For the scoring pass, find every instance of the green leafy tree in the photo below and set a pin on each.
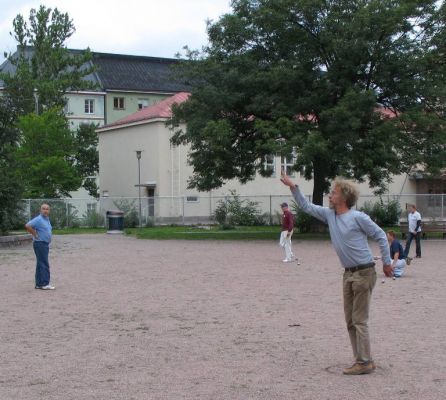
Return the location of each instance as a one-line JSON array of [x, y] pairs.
[[87, 156], [44, 68], [10, 184], [46, 156], [350, 87]]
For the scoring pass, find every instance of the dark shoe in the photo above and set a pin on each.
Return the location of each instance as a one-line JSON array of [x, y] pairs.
[[360, 369], [418, 257], [408, 260]]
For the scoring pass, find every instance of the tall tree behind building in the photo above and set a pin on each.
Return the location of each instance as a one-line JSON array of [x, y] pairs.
[[44, 71]]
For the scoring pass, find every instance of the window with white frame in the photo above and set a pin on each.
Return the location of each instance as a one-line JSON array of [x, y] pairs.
[[91, 207], [192, 199], [118, 103], [89, 106], [269, 164], [143, 103], [287, 163]]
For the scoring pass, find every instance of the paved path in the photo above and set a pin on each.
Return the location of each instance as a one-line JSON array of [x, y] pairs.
[[134, 319]]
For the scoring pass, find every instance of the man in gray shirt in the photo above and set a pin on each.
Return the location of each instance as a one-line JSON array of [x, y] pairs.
[[349, 230]]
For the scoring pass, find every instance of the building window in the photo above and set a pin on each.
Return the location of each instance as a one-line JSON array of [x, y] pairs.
[[269, 164], [192, 199], [287, 163], [118, 103], [143, 103], [89, 106], [91, 208]]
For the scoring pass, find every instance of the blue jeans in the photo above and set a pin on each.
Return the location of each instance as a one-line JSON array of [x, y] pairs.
[[410, 237], [41, 249]]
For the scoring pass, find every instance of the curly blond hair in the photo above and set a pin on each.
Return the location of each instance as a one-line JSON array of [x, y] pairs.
[[348, 190]]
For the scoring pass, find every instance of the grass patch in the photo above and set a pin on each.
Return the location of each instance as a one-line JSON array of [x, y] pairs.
[[75, 231], [213, 233], [216, 233]]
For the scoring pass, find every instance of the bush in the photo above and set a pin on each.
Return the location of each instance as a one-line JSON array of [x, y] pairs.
[[93, 219], [131, 219], [304, 222], [235, 212], [383, 214], [150, 222]]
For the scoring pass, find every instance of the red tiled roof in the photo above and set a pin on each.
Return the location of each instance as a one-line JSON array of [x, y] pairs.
[[162, 109]]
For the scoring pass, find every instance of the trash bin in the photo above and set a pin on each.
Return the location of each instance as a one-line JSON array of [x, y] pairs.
[[115, 219]]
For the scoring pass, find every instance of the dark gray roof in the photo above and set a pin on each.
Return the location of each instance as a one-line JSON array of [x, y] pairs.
[[125, 72], [9, 68]]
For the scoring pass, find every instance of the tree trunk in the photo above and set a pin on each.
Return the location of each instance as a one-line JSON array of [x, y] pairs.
[[320, 186], [320, 181]]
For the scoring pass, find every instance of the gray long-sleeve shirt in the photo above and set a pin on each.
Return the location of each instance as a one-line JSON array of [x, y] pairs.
[[348, 232]]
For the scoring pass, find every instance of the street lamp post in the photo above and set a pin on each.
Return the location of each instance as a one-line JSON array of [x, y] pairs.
[[138, 156]]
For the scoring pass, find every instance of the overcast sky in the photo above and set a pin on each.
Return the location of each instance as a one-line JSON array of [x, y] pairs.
[[141, 27]]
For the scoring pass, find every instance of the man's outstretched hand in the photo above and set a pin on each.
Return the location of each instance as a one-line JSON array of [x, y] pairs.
[[388, 270], [284, 178]]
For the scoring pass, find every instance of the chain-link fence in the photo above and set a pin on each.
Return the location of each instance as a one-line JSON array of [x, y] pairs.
[[189, 210]]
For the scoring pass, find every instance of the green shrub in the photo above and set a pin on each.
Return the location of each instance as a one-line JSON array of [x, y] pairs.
[[383, 214], [131, 219], [150, 222], [236, 212], [304, 222], [93, 219]]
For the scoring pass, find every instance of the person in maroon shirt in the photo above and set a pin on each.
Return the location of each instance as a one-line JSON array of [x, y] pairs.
[[287, 232]]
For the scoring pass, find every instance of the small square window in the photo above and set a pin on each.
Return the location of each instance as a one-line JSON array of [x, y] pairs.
[[118, 103], [143, 103]]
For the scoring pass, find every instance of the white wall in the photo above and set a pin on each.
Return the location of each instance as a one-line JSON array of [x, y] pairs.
[[167, 165]]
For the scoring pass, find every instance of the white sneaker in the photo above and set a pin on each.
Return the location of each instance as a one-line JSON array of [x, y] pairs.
[[298, 262], [47, 287], [286, 260]]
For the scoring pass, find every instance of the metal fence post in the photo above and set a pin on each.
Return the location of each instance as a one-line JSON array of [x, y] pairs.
[[67, 211], [270, 209], [183, 208], [442, 206]]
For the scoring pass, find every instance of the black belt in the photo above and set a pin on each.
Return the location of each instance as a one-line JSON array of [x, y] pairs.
[[360, 267]]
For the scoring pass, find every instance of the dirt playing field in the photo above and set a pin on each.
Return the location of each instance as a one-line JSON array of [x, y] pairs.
[[135, 319]]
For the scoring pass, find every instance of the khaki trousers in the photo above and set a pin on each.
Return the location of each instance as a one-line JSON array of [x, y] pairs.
[[357, 290]]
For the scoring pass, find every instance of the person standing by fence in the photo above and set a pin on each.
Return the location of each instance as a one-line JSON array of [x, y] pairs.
[[40, 228], [414, 222]]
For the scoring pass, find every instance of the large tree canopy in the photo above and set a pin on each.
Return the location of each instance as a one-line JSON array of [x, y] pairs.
[[45, 155], [348, 87]]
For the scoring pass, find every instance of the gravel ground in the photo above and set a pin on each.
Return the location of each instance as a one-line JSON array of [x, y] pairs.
[[135, 319]]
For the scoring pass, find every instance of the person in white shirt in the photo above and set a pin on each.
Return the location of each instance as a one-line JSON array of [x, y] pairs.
[[414, 219]]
